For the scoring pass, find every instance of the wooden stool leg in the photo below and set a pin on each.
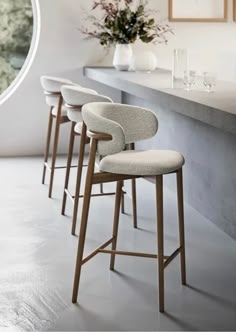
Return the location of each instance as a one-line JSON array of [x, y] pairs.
[[122, 200], [68, 166], [134, 203], [160, 240], [84, 220], [181, 224], [55, 146], [50, 121], [101, 184], [116, 222], [78, 178]]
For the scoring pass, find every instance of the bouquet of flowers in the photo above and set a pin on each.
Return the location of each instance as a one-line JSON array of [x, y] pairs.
[[123, 22]]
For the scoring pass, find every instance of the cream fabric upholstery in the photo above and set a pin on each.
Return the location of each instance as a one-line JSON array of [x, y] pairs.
[[126, 124], [78, 127], [74, 115], [78, 96], [52, 101], [53, 84], [143, 163], [55, 110]]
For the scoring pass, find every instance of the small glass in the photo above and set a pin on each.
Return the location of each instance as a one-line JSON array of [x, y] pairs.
[[189, 79], [209, 81]]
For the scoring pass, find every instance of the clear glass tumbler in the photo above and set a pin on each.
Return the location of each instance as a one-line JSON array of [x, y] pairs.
[[209, 81], [189, 79]]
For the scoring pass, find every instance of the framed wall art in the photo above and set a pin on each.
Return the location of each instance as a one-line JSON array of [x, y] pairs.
[[234, 10], [198, 10]]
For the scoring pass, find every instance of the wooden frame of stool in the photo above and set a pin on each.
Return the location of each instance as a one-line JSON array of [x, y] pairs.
[[103, 177]]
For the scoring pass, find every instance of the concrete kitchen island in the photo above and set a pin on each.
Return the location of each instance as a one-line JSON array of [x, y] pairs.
[[201, 125]]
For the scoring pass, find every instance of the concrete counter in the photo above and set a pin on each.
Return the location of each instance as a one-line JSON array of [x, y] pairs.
[[217, 109], [201, 125]]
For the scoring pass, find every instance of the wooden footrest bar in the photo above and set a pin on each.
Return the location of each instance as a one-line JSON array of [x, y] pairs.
[[98, 195], [61, 167], [127, 253], [95, 252], [172, 257], [71, 197], [101, 249]]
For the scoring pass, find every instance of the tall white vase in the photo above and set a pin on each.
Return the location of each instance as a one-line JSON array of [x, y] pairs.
[[122, 56]]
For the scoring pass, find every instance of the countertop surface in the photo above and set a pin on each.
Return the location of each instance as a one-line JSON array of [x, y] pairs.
[[217, 109]]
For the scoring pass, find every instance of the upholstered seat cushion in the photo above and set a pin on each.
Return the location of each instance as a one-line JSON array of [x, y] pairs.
[[143, 163], [69, 94], [78, 127], [63, 111]]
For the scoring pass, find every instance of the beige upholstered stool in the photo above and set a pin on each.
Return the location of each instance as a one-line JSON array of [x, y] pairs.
[[52, 91], [74, 98], [110, 127]]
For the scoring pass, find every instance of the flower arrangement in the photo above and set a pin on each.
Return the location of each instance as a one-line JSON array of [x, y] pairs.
[[123, 22]]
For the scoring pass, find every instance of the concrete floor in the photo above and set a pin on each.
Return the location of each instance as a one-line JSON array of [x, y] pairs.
[[37, 255]]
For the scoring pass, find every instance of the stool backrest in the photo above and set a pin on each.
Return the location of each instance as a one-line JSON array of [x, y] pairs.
[[52, 88], [78, 96], [126, 124]]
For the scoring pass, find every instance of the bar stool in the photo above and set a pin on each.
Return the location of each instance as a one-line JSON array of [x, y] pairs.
[[52, 91], [77, 97], [110, 127], [74, 98]]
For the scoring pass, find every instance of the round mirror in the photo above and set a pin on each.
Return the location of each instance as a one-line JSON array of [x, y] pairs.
[[16, 28]]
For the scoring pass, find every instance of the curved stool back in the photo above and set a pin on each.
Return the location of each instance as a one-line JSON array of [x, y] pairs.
[[126, 124], [78, 96], [52, 88]]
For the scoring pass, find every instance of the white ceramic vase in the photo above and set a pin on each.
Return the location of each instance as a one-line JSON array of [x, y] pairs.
[[143, 61], [122, 56]]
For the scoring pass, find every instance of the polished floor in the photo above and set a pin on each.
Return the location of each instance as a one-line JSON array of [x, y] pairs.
[[37, 256]]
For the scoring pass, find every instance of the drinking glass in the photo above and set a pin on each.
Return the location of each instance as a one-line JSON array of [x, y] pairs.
[[180, 64], [189, 79], [209, 81]]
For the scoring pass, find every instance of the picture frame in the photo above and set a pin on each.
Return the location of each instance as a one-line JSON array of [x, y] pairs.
[[199, 10], [234, 10]]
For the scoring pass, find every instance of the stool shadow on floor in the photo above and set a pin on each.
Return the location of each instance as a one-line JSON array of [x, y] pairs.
[[92, 321], [144, 289], [180, 322], [213, 297], [141, 287]]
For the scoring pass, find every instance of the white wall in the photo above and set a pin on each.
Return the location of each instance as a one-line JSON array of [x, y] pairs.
[[212, 46], [62, 52]]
